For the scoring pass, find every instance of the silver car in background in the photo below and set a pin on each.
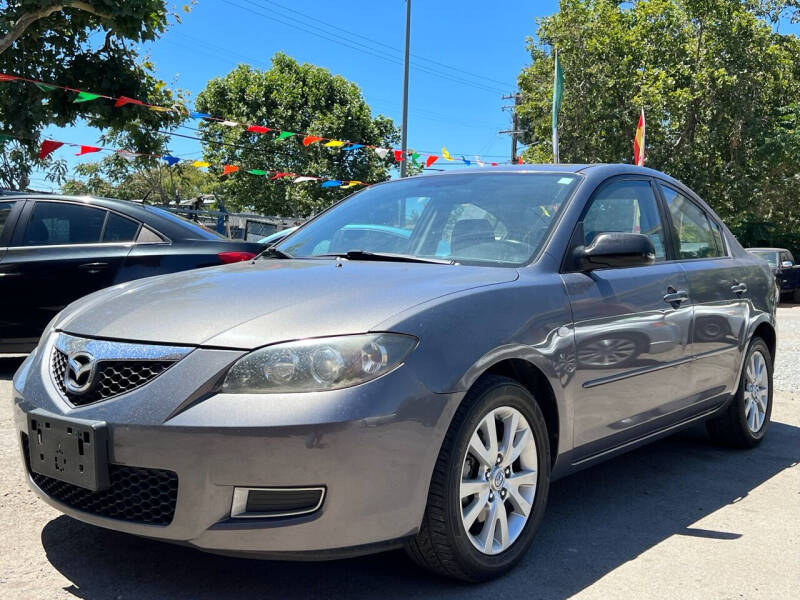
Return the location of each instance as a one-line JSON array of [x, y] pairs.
[[411, 368]]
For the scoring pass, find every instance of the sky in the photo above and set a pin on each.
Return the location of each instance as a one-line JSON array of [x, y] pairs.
[[454, 102]]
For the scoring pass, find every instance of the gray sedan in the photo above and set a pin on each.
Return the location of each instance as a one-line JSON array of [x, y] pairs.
[[411, 368]]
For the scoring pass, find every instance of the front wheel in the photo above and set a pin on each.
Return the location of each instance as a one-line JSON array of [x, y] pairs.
[[744, 423], [489, 487]]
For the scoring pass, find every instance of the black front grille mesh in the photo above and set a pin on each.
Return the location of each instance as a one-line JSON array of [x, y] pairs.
[[134, 494], [112, 378]]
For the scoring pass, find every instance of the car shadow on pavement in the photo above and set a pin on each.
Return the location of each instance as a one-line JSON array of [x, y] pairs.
[[596, 521]]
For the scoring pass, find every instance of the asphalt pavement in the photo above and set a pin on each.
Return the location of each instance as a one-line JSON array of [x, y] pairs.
[[679, 518]]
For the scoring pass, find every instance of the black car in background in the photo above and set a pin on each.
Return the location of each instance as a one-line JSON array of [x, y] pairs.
[[787, 273], [55, 249]]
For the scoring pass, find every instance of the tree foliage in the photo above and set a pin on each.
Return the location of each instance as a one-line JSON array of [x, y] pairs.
[[299, 98], [87, 45], [719, 84]]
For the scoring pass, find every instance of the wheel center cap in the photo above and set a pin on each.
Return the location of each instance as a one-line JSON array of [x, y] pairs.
[[498, 479]]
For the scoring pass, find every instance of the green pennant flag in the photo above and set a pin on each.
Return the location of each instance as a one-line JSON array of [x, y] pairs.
[[85, 97], [45, 87], [257, 172], [414, 157], [558, 91], [285, 134]]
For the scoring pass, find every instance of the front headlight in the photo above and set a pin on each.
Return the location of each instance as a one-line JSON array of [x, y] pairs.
[[318, 364]]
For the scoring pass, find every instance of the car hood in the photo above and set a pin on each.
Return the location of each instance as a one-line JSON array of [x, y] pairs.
[[248, 305]]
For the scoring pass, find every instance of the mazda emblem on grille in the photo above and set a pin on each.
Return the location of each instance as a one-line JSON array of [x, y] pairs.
[[79, 373]]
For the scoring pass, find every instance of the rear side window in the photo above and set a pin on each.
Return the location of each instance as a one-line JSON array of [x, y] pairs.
[[120, 229], [5, 211], [625, 207], [696, 238], [54, 223]]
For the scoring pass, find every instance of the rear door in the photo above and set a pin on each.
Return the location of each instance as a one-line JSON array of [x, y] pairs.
[[57, 255], [718, 286], [631, 326]]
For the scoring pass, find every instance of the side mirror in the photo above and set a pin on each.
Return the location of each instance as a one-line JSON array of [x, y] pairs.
[[787, 264], [616, 250]]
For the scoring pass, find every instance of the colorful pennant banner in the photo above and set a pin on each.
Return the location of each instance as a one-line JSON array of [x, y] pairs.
[[281, 134]]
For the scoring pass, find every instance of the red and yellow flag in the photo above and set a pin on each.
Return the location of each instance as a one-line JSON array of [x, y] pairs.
[[638, 142]]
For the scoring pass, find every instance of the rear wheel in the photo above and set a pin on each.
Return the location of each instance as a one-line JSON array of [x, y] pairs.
[[489, 486], [744, 423]]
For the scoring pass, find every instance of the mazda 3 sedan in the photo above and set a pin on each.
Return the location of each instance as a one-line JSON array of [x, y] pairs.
[[356, 389]]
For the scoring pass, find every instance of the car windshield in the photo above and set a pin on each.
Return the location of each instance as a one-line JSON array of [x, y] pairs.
[[203, 232], [770, 257], [498, 219]]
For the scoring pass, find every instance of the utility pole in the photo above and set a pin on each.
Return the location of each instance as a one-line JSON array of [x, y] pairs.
[[404, 133], [515, 130]]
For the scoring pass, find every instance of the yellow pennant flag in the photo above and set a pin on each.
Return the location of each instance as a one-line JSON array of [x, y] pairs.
[[446, 154], [334, 144], [200, 164], [159, 108]]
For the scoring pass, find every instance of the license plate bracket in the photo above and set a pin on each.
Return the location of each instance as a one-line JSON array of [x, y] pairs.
[[71, 450]]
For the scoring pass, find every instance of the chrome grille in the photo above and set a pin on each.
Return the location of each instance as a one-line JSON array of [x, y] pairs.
[[120, 367]]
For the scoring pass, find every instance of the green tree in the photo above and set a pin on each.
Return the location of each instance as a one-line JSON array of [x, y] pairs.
[[719, 84], [298, 98], [83, 45]]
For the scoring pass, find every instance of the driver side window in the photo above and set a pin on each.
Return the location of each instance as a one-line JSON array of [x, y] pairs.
[[626, 207]]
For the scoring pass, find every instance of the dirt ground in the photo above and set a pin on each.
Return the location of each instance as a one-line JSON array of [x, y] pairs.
[[680, 518]]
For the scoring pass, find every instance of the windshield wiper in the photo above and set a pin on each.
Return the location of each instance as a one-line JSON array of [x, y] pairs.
[[386, 256], [274, 253]]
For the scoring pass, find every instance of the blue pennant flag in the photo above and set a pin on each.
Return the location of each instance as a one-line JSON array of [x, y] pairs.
[[170, 160], [466, 162], [332, 183], [353, 147], [199, 115]]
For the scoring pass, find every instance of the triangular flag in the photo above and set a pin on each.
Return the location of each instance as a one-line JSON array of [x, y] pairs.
[[446, 154], [170, 160], [351, 184], [159, 109], [48, 146], [123, 100], [465, 161], [87, 150], [126, 154], [520, 161], [279, 175], [334, 144], [332, 183], [4, 77], [430, 160], [257, 172], [229, 123], [398, 155], [638, 142], [414, 157], [382, 152], [286, 134], [353, 147], [310, 139], [228, 169], [494, 164], [199, 115], [479, 161], [85, 97], [304, 178], [46, 87], [200, 164], [258, 129]]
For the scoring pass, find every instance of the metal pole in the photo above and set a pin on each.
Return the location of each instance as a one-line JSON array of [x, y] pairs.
[[404, 133]]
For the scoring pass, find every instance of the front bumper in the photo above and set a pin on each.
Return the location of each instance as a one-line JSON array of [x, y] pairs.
[[372, 447]]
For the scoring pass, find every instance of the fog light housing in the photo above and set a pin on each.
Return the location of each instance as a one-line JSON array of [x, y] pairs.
[[272, 502]]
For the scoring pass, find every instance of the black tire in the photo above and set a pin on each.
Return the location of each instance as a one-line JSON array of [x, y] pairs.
[[442, 544], [730, 428]]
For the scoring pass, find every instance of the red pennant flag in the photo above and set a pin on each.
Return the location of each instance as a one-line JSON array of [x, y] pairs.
[[123, 100], [430, 160], [4, 77], [227, 169], [258, 129], [87, 150], [310, 139], [398, 155], [520, 161], [49, 146], [279, 175], [638, 142], [494, 164]]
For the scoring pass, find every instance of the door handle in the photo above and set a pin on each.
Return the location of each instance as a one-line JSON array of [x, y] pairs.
[[738, 288], [675, 297], [94, 267]]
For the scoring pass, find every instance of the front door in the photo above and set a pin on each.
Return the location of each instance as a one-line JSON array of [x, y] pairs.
[[633, 356]]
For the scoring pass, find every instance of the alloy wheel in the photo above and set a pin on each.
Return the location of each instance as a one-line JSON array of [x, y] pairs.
[[498, 481], [756, 391]]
